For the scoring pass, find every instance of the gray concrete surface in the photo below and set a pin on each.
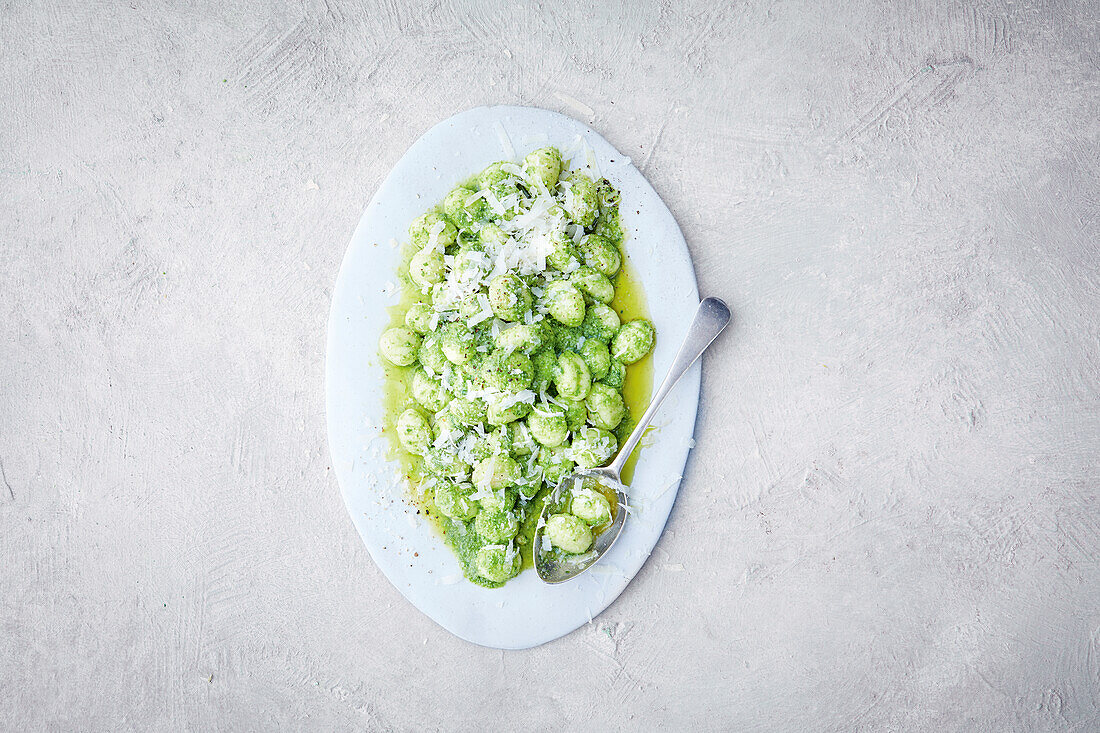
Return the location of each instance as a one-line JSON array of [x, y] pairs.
[[890, 521]]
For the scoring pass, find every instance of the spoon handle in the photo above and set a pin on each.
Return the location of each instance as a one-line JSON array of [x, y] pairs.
[[711, 317]]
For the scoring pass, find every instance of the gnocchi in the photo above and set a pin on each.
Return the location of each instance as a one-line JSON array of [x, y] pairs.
[[512, 356]]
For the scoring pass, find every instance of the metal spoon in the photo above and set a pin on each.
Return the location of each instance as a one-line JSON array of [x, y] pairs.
[[710, 319]]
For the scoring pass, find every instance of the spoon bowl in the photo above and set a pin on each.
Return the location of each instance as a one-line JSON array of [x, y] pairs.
[[554, 565], [557, 566]]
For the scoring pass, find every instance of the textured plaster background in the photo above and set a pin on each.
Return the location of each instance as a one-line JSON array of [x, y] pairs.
[[891, 518]]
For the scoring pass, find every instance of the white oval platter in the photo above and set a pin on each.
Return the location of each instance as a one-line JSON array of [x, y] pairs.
[[410, 553]]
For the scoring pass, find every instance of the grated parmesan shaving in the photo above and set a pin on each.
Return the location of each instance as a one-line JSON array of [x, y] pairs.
[[576, 105], [433, 235], [505, 141]]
